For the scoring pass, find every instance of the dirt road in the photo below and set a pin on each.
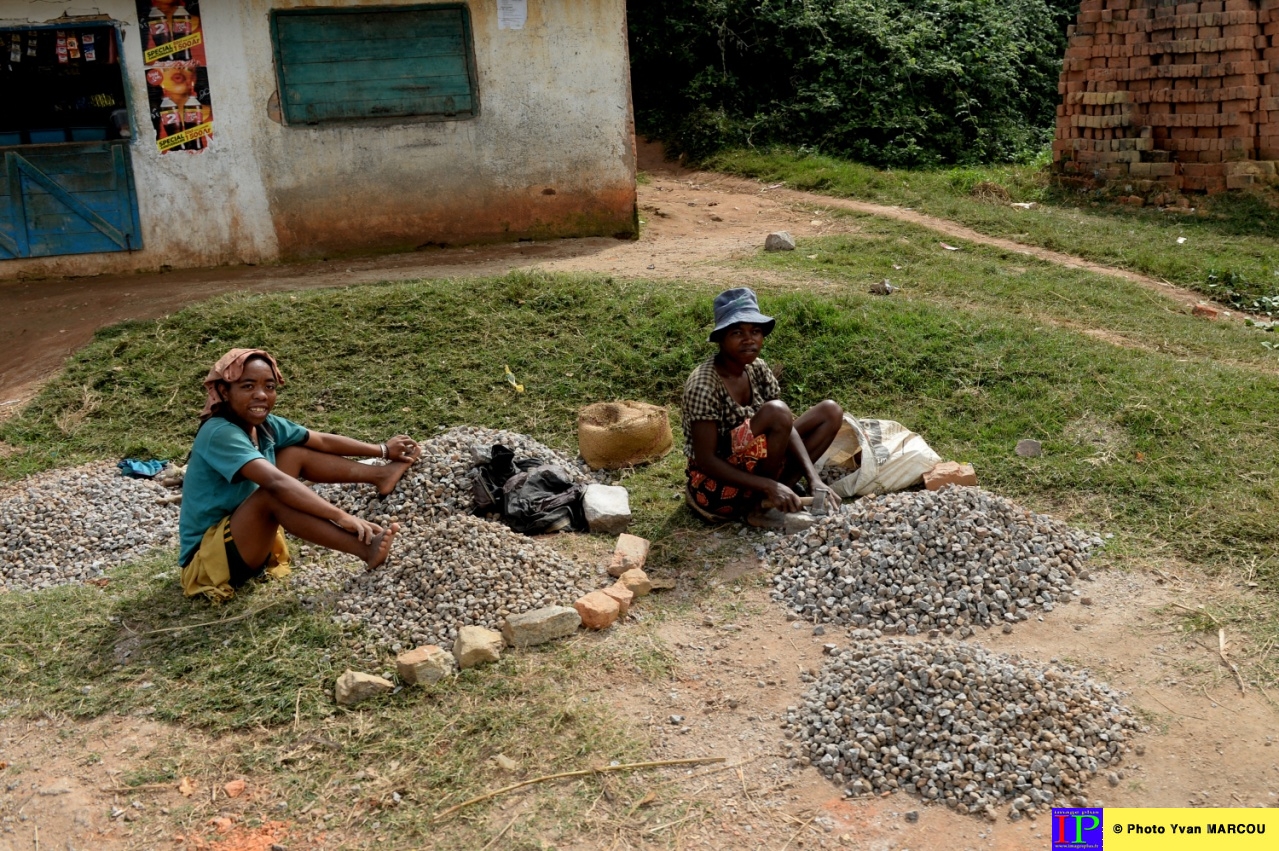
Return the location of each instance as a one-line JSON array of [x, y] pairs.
[[694, 223]]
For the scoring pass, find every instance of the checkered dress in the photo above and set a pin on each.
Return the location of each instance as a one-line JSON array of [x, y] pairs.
[[706, 398]]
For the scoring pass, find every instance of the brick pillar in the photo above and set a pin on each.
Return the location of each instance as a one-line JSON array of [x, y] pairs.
[[1268, 101], [1160, 96]]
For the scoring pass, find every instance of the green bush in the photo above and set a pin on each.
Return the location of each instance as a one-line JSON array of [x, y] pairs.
[[888, 82]]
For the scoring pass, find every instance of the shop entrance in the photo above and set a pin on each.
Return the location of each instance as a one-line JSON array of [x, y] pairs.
[[67, 183]]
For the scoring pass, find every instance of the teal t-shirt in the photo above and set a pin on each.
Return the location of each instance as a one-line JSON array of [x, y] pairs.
[[210, 489]]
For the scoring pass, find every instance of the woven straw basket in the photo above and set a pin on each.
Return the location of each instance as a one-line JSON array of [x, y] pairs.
[[612, 435]]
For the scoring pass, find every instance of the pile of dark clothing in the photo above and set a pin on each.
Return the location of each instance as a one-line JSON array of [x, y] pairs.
[[530, 496]]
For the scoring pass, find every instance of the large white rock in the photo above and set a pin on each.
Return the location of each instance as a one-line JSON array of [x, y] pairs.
[[607, 508], [779, 241], [353, 687], [540, 626], [476, 645]]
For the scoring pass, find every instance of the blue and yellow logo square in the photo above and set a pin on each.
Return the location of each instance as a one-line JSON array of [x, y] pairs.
[[1078, 829]]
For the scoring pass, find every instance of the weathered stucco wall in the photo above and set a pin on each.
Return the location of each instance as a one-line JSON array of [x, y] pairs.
[[208, 208], [551, 152]]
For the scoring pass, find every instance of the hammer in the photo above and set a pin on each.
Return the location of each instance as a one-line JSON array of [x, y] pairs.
[[815, 504]]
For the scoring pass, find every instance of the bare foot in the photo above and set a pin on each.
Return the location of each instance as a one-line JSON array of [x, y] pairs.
[[392, 473], [787, 522], [380, 546], [766, 518]]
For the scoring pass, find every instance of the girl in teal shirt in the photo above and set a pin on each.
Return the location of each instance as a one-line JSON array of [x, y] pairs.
[[242, 483]]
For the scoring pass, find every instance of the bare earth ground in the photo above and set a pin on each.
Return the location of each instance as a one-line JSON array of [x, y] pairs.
[[739, 658]]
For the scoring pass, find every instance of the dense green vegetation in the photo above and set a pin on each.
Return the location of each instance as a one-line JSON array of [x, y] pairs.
[[889, 82]]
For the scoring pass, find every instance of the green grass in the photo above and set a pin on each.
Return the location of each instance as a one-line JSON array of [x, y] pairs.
[[1013, 285], [415, 357], [1156, 426], [1167, 439], [1229, 249], [264, 663]]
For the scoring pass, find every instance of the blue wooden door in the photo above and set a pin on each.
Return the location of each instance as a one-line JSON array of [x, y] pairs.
[[67, 199]]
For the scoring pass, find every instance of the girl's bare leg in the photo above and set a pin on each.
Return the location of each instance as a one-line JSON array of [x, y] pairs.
[[320, 467], [254, 524]]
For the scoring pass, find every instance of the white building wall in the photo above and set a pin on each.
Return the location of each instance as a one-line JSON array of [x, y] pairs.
[[551, 152]]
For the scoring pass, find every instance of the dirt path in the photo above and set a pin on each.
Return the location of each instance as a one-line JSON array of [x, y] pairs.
[[695, 224], [738, 661], [739, 674]]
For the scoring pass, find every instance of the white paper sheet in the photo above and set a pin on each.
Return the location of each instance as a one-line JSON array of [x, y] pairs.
[[511, 14]]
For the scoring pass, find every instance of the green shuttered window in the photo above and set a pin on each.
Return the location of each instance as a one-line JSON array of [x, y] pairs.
[[374, 62]]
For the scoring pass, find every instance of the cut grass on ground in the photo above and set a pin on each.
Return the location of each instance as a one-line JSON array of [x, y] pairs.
[[1161, 441], [1165, 442], [265, 665], [1229, 243]]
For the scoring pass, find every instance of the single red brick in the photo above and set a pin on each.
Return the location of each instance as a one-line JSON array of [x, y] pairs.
[[637, 581], [624, 597], [630, 553], [950, 473], [597, 609]]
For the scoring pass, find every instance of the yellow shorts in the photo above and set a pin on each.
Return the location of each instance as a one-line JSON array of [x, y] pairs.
[[209, 571]]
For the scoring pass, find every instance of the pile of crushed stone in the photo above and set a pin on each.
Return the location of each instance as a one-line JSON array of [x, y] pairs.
[[63, 527], [439, 484], [959, 725], [943, 560], [454, 572], [447, 568]]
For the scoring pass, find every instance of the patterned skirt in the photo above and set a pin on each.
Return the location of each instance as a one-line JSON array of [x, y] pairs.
[[721, 500]]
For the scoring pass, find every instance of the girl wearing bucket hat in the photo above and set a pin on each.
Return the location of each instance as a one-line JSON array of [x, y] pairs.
[[744, 446]]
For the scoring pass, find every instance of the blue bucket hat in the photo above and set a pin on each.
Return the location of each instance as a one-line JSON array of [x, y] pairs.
[[739, 305]]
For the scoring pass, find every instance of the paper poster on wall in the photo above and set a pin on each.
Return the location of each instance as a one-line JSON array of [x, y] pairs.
[[511, 14], [177, 74]]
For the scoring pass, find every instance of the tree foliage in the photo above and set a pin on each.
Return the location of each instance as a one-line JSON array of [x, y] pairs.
[[889, 82]]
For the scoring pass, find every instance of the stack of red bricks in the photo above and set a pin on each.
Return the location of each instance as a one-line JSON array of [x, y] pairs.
[[1164, 96]]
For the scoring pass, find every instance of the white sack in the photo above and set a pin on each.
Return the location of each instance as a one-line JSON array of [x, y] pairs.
[[893, 457]]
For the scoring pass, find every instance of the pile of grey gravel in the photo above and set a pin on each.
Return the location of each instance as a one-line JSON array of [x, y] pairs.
[[64, 527], [448, 568], [957, 724], [921, 561], [439, 484], [454, 572]]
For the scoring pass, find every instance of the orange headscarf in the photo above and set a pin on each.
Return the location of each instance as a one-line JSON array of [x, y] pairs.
[[229, 368]]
